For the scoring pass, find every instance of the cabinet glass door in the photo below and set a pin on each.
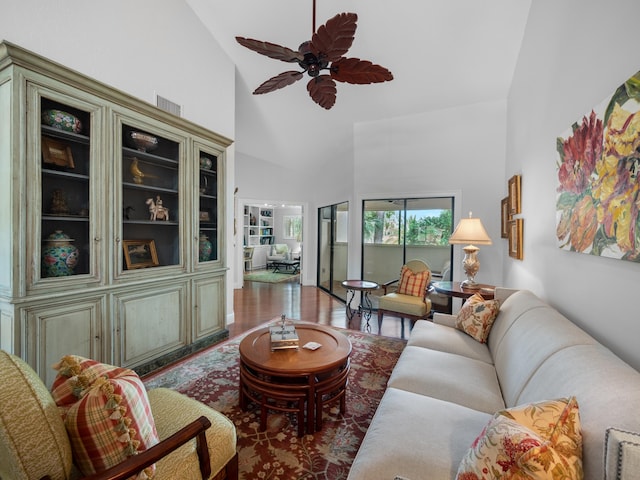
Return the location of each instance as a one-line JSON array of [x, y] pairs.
[[150, 199], [65, 138], [208, 221]]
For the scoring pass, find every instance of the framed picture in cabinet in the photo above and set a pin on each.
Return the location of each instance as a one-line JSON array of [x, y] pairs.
[[56, 153], [205, 215], [516, 228], [140, 254]]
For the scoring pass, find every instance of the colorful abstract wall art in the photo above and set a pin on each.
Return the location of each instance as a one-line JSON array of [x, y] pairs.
[[598, 186]]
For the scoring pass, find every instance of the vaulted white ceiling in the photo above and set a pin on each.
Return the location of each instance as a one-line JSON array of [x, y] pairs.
[[442, 53]]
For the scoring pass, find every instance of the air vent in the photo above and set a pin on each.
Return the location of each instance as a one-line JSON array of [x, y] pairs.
[[168, 106]]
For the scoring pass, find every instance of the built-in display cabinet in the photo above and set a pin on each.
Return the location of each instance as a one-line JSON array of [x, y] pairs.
[[111, 238]]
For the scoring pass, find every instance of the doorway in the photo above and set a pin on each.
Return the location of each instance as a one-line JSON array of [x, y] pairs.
[[333, 245], [260, 224]]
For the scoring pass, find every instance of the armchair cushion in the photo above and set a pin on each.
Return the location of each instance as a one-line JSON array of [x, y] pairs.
[[106, 412], [408, 304], [41, 449], [413, 283], [172, 411]]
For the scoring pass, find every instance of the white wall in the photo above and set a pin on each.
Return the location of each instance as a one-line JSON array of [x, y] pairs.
[[574, 55], [455, 152], [142, 47]]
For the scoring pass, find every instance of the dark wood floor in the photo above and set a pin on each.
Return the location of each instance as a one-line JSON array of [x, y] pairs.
[[257, 303]]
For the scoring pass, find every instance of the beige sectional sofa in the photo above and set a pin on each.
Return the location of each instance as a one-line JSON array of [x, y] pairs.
[[446, 386]]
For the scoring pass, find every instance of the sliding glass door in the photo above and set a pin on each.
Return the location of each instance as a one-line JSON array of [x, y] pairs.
[[397, 230], [333, 223]]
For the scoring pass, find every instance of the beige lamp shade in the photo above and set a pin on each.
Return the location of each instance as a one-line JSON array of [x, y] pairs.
[[470, 231]]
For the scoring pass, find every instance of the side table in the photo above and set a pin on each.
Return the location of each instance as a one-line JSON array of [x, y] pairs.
[[453, 289], [364, 307]]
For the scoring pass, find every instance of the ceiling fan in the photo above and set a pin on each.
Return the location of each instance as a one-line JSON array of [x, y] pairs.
[[324, 52]]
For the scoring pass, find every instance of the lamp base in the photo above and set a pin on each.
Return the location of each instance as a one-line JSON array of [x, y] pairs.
[[471, 265], [470, 285]]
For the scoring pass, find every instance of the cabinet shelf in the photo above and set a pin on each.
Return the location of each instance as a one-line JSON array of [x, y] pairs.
[[159, 223], [66, 175], [63, 135], [65, 218], [139, 186], [149, 157]]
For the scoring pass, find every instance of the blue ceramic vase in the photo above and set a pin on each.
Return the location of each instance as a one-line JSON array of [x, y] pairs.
[[59, 255], [205, 248]]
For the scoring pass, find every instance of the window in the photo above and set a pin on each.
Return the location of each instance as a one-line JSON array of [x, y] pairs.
[[292, 227], [397, 230], [383, 223]]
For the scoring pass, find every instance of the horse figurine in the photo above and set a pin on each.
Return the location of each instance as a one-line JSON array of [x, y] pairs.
[[157, 210]]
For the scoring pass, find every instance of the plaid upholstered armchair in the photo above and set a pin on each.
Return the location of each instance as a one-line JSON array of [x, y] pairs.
[[193, 440], [409, 300]]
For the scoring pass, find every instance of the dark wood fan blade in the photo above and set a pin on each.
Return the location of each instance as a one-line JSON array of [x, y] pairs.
[[322, 90], [278, 82], [333, 39], [354, 70], [271, 50]]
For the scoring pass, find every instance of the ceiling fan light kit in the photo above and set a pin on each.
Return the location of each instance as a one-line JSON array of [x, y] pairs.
[[324, 52]]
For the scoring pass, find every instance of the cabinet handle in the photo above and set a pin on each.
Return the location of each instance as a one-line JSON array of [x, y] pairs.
[[117, 239], [97, 239]]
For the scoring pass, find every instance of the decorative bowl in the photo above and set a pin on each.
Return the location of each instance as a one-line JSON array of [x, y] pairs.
[[62, 120], [206, 163], [141, 141]]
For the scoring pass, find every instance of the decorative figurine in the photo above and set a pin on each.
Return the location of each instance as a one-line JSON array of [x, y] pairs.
[[157, 210], [138, 174], [59, 203]]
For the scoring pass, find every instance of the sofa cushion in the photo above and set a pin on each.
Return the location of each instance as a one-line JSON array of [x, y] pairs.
[[25, 400], [110, 419], [476, 317], [446, 376], [507, 449], [532, 338], [428, 334], [412, 435], [414, 284]]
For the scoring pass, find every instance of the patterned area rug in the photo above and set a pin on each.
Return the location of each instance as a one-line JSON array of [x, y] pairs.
[[278, 453]]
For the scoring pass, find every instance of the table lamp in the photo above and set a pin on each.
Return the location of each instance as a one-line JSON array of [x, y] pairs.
[[470, 231]]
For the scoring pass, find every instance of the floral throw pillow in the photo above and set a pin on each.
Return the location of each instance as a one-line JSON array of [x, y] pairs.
[[476, 317], [546, 445], [414, 284], [106, 412]]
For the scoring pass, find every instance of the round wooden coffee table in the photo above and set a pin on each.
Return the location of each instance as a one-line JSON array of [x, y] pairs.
[[286, 372]]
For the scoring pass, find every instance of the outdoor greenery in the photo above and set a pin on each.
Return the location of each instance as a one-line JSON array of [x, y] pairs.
[[387, 227]]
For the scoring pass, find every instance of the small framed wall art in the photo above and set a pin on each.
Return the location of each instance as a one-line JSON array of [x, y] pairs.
[[516, 230], [514, 195], [504, 218], [140, 254]]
